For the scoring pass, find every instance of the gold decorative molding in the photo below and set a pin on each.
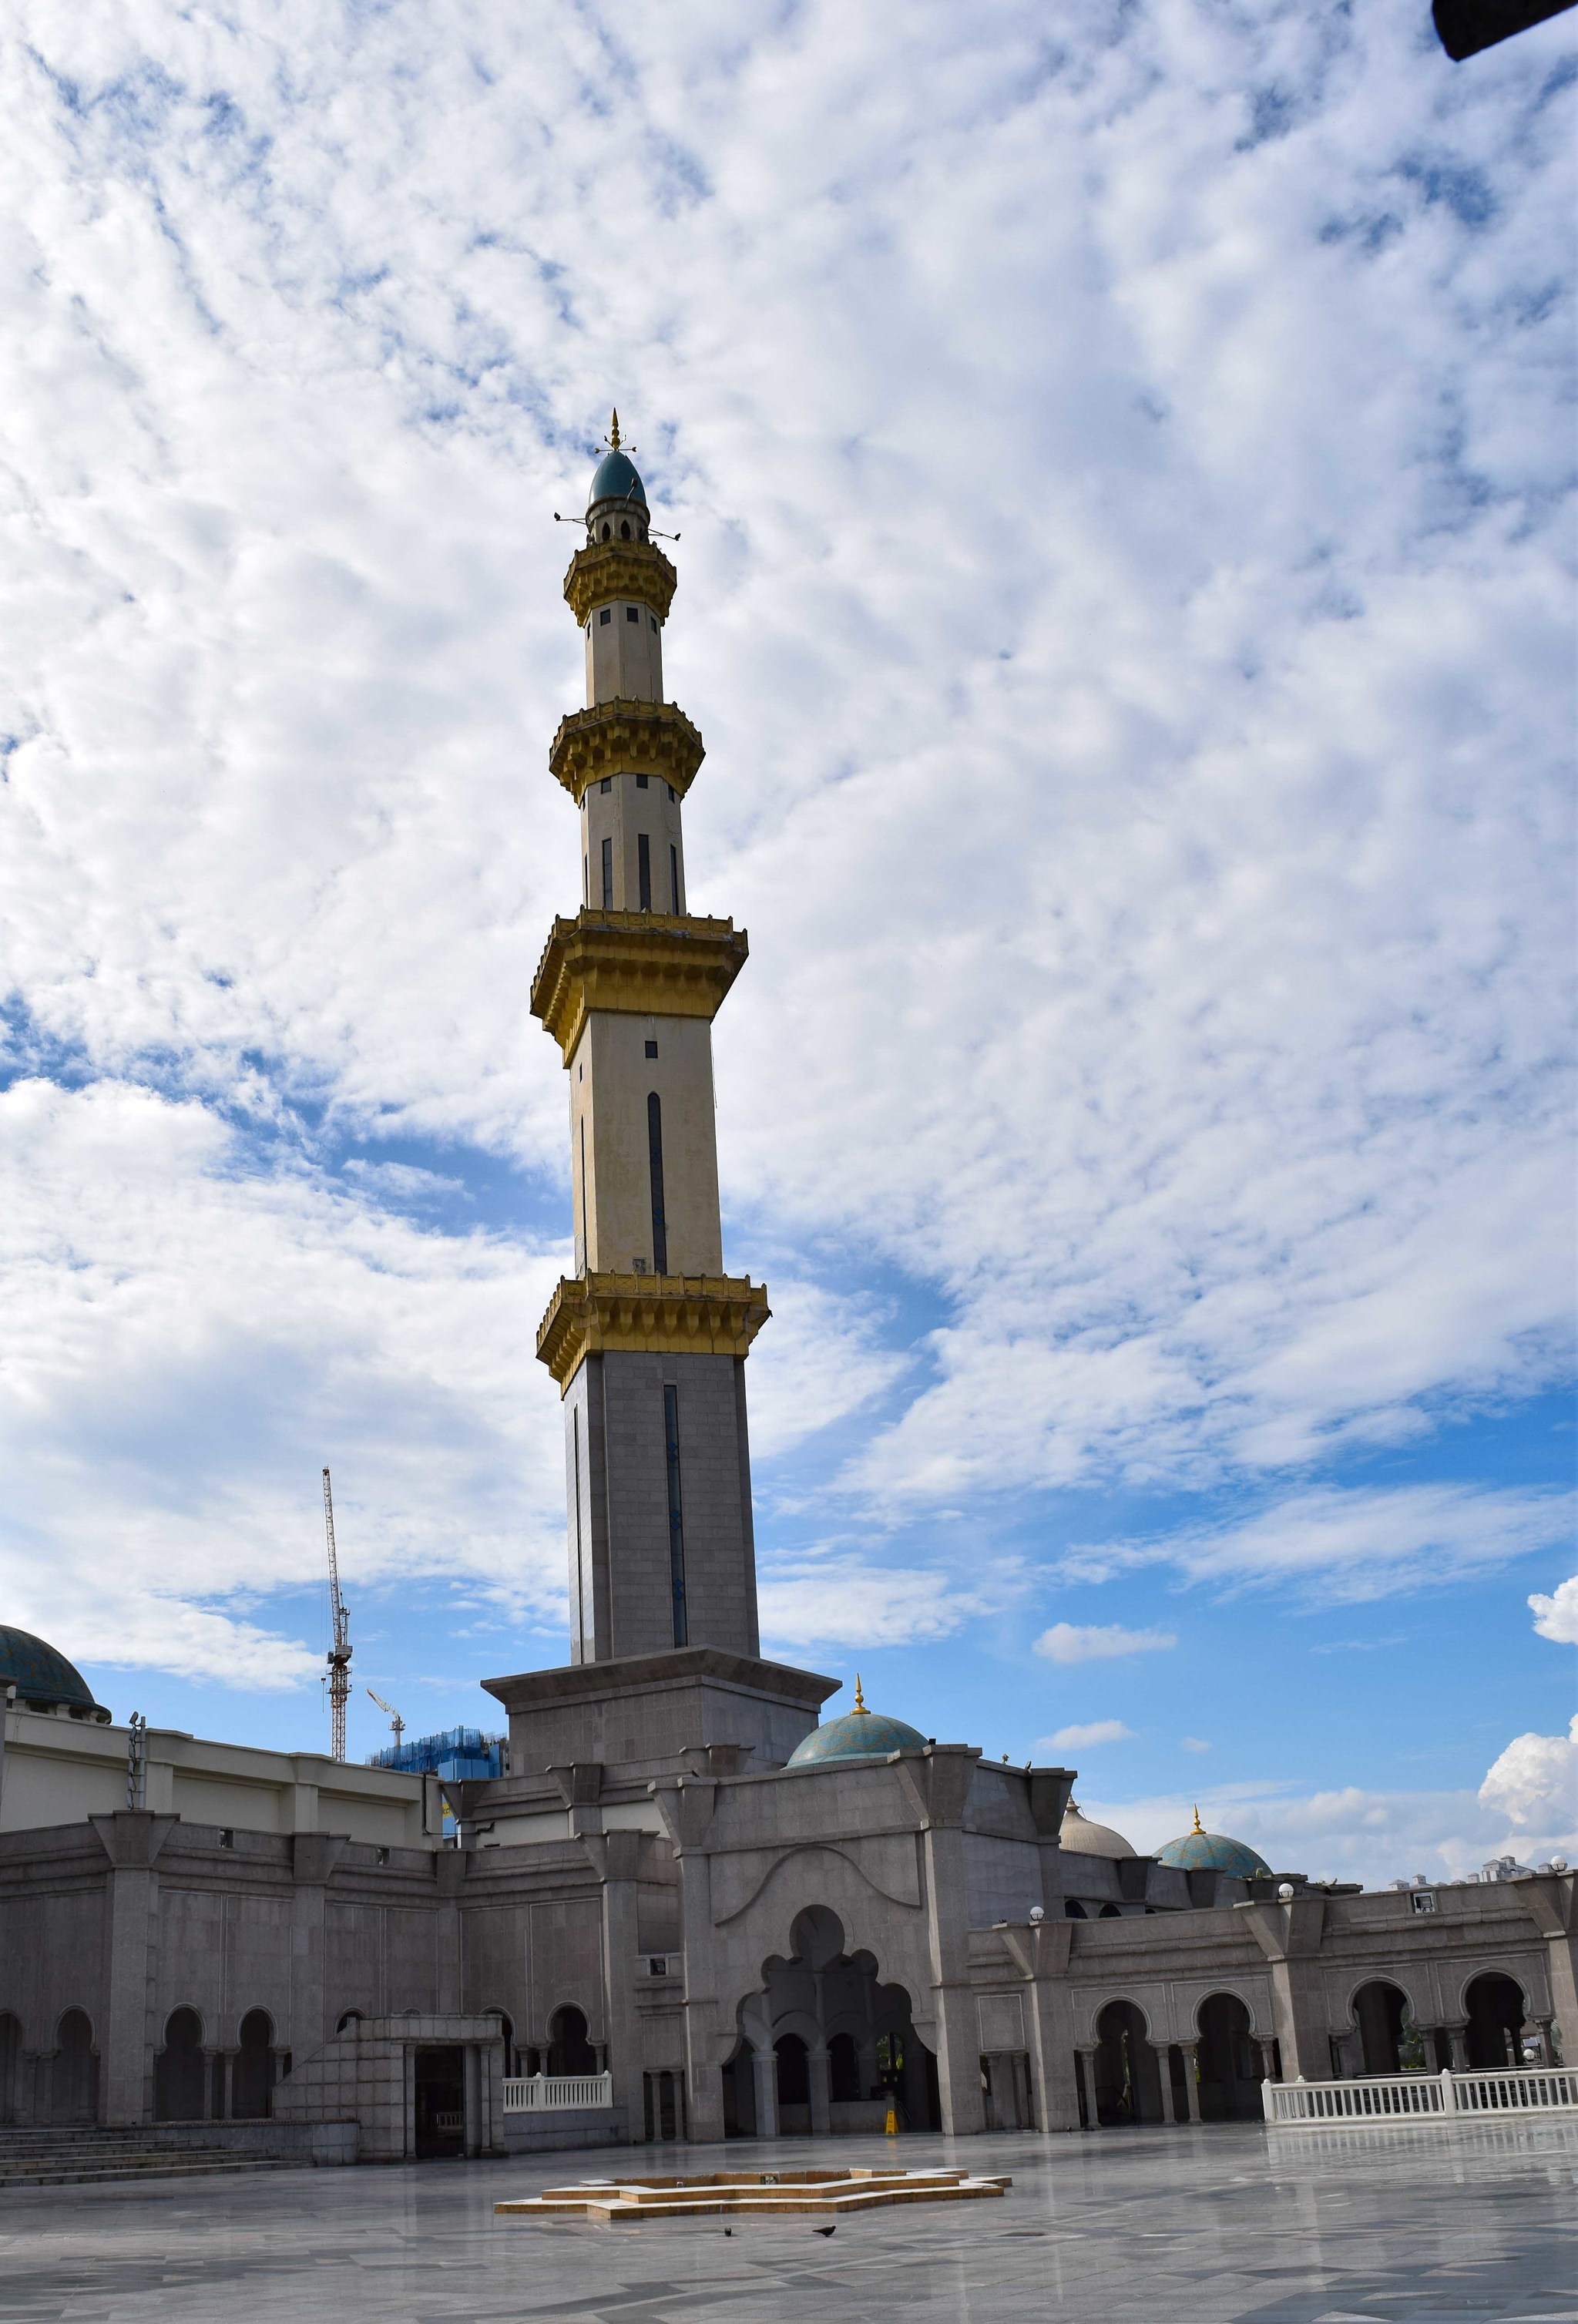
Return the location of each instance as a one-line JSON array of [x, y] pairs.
[[649, 1314], [635, 963], [620, 568], [626, 738]]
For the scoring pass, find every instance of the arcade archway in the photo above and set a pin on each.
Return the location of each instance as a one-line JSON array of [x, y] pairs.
[[1495, 2027], [825, 2046]]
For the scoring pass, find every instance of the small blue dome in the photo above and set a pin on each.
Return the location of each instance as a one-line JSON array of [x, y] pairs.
[[860, 1734], [1211, 1851], [39, 1675], [614, 478]]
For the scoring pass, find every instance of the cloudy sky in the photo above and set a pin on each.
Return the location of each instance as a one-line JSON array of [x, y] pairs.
[[1123, 463]]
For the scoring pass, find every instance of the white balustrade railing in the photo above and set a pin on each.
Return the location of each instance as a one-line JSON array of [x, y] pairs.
[[536, 2093], [1396, 2098]]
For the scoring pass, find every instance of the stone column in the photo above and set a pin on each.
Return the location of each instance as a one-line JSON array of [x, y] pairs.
[[1163, 2058], [937, 1784], [1548, 2049], [1191, 2050], [685, 1805], [616, 1855], [132, 1839], [313, 1857], [472, 2138], [764, 2065], [817, 2069], [216, 2083], [1085, 2074], [1266, 2046], [1458, 2036]]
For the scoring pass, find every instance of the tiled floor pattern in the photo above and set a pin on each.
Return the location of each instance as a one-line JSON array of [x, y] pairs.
[[1224, 2225]]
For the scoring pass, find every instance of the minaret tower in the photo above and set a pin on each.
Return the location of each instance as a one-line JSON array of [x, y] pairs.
[[647, 1339]]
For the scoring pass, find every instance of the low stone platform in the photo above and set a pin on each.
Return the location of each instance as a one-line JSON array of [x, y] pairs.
[[751, 2194]]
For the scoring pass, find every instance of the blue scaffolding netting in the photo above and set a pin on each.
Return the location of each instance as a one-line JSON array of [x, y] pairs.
[[458, 1753]]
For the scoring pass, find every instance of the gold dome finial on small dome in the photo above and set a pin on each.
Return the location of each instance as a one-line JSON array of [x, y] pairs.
[[860, 1711], [1199, 1827], [614, 432]]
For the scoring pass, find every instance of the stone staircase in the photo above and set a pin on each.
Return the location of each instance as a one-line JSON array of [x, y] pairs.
[[94, 2155]]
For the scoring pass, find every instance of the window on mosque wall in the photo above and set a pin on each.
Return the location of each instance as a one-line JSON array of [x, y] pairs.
[[632, 613], [604, 617]]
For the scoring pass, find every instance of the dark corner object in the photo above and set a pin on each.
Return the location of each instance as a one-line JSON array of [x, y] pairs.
[[1467, 26]]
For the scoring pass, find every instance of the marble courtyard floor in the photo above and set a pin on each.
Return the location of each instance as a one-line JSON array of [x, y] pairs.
[[1229, 2225]]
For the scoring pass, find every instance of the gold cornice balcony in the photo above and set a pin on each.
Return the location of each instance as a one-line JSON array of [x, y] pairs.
[[620, 568], [637, 964], [626, 738], [649, 1314]]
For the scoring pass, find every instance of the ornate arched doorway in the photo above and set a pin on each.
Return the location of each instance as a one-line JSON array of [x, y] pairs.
[[1380, 2011], [825, 2046], [1495, 2027], [1230, 2069], [1127, 2078], [251, 2080], [177, 2070]]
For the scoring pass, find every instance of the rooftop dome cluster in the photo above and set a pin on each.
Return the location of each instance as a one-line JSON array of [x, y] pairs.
[[43, 1679]]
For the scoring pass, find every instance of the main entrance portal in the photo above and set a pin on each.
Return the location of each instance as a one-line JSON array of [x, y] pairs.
[[825, 2046]]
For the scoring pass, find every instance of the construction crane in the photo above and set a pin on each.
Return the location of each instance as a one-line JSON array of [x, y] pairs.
[[396, 1722], [339, 1681]]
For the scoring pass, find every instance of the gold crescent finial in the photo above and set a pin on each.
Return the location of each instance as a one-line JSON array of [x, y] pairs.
[[1199, 1827], [613, 433], [860, 1710]]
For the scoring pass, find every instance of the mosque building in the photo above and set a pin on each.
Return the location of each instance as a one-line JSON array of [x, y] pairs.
[[687, 1908]]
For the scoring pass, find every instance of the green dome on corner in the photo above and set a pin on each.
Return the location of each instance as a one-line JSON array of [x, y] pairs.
[[860, 1734], [43, 1679], [1212, 1851]]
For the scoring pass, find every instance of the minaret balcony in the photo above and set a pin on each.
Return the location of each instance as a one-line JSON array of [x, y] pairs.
[[620, 568], [626, 738], [639, 963], [649, 1314]]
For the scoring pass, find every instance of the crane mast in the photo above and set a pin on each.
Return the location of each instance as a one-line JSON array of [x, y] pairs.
[[339, 1654]]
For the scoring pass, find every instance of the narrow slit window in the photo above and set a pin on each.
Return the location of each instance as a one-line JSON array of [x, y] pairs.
[[632, 613], [641, 781], [675, 1513], [607, 616], [643, 870], [674, 881], [655, 1165], [586, 1220], [607, 875]]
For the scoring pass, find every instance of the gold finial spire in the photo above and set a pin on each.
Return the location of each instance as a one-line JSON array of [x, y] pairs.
[[1199, 1827], [860, 1711], [613, 433]]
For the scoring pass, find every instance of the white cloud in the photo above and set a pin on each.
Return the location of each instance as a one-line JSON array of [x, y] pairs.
[[1195, 1743], [1071, 1642], [1535, 1784], [191, 1338], [1556, 1616], [845, 1601], [1354, 1545], [1143, 783], [1086, 1738]]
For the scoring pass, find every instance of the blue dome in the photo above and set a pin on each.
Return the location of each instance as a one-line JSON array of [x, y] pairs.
[[614, 478], [860, 1734], [39, 1675], [1211, 1851]]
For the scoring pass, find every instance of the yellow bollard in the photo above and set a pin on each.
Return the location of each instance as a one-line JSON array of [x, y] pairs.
[[890, 2128]]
